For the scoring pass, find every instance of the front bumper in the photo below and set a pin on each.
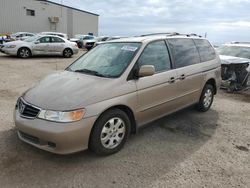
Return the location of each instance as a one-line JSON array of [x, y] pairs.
[[60, 138], [9, 51], [75, 51]]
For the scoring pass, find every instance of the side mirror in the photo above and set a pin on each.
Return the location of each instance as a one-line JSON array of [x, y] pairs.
[[146, 70], [37, 42]]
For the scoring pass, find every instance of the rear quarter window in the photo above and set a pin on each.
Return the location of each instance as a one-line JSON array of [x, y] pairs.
[[205, 49], [184, 52]]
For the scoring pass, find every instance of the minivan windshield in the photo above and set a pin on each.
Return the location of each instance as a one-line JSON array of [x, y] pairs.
[[106, 60], [237, 51]]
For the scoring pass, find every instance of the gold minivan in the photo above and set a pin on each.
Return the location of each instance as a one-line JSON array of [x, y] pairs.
[[116, 88]]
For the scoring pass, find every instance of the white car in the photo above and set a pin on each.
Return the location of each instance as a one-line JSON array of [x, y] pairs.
[[21, 35], [84, 41], [63, 35], [40, 45]]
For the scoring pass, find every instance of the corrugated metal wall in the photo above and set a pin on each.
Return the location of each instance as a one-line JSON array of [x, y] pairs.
[[13, 18]]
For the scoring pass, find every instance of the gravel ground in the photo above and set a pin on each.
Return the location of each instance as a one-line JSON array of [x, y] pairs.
[[186, 149]]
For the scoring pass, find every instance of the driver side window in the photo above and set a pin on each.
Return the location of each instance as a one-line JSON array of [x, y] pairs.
[[44, 40], [156, 54]]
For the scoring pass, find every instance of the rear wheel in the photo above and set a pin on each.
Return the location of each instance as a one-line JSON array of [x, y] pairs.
[[206, 98], [67, 53], [110, 132], [24, 53]]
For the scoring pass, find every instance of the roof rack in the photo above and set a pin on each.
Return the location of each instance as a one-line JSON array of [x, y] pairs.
[[171, 34], [168, 34]]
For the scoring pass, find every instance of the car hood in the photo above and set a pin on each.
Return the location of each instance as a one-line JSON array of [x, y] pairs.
[[70, 90], [17, 42], [233, 60], [89, 40], [74, 40]]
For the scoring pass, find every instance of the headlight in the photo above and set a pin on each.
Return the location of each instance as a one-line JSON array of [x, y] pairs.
[[11, 46], [69, 116]]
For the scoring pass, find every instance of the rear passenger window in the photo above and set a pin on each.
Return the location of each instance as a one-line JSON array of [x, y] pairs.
[[205, 49], [184, 51], [56, 40], [156, 54]]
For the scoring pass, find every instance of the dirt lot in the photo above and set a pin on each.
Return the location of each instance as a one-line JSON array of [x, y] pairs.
[[187, 149]]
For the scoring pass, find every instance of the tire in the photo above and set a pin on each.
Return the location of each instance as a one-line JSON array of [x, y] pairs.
[[24, 53], [206, 98], [88, 48], [110, 132], [67, 53]]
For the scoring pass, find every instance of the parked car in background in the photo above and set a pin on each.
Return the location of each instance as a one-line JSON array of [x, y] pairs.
[[101, 38], [40, 45], [235, 60], [116, 88], [21, 35], [63, 35], [84, 41]]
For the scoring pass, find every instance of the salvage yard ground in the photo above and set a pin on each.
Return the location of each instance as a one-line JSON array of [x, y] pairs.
[[186, 149]]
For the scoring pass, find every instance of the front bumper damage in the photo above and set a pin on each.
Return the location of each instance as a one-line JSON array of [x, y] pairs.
[[235, 76]]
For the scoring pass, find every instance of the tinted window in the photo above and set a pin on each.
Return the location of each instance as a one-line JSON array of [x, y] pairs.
[[56, 40], [44, 40], [184, 51], [156, 54], [205, 49]]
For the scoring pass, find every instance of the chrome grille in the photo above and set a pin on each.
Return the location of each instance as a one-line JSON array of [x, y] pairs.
[[26, 110]]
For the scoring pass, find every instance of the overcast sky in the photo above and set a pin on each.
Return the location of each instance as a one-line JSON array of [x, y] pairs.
[[223, 20]]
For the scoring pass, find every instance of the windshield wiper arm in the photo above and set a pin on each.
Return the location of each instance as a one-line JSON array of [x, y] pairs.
[[92, 72]]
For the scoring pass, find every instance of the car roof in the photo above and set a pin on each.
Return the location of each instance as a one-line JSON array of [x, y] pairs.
[[21, 33], [44, 35], [56, 33]]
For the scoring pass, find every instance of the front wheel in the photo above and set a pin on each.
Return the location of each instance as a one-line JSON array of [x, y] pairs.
[[24, 53], [110, 132], [206, 98]]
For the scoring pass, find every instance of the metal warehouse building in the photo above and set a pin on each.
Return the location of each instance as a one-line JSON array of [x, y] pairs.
[[41, 15]]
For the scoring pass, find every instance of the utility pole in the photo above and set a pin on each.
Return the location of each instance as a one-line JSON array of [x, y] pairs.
[[205, 34]]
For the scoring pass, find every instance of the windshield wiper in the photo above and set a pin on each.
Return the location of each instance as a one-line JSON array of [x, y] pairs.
[[91, 72]]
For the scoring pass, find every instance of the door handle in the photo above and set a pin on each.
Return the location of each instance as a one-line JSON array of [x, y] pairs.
[[172, 80], [182, 77]]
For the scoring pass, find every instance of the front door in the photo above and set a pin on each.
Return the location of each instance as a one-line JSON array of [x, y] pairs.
[[157, 93], [41, 46]]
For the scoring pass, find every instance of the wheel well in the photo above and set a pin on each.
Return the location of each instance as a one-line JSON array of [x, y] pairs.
[[213, 83], [23, 47], [130, 114]]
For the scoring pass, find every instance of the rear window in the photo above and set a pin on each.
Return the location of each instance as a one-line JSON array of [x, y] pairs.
[[184, 51], [205, 49]]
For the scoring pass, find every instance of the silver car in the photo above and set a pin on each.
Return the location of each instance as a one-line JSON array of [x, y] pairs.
[[21, 35], [40, 45]]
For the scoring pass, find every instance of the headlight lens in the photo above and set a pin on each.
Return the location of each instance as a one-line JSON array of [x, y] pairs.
[[11, 46], [69, 116]]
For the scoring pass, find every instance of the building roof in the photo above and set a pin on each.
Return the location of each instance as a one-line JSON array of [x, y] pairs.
[[58, 4]]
